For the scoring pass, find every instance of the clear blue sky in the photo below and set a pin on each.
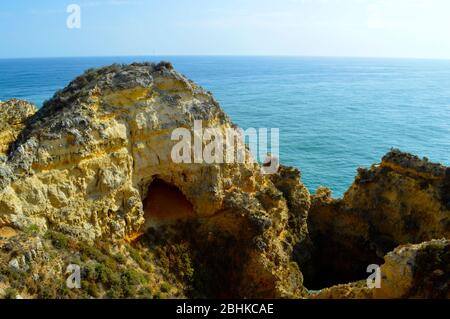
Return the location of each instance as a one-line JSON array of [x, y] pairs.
[[388, 28]]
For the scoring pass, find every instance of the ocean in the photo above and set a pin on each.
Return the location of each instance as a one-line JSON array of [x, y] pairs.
[[334, 114]]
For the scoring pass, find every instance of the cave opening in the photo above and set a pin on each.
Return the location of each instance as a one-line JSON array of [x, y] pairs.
[[165, 204], [192, 251], [335, 263]]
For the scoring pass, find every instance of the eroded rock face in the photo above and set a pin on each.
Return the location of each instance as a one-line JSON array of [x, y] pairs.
[[84, 163], [13, 116], [89, 179], [288, 181], [410, 271], [417, 271], [402, 200]]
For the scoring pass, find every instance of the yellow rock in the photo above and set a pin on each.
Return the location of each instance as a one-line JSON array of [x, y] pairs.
[[91, 162]]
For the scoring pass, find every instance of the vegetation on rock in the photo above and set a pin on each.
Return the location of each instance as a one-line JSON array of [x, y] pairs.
[[88, 180]]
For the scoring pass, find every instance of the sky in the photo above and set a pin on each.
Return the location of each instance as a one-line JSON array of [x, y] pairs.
[[365, 28]]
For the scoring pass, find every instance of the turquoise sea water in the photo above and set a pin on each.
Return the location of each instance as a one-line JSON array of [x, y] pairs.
[[334, 114]]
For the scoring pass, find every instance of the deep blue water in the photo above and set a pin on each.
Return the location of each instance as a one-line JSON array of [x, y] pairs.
[[334, 114]]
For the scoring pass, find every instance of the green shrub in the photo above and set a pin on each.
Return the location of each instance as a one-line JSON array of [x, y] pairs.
[[59, 240], [121, 259], [46, 292], [10, 293], [165, 287], [136, 256], [32, 229]]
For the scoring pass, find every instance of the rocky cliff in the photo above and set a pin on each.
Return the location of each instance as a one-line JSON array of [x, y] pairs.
[[13, 115], [89, 180], [402, 200]]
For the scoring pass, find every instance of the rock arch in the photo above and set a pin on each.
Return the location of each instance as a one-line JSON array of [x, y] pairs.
[[165, 203]]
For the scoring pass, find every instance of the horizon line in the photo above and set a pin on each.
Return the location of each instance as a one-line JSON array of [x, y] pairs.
[[228, 55]]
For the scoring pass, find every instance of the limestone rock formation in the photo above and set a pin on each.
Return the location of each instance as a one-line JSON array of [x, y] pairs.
[[13, 116], [410, 271], [94, 156], [89, 181], [402, 200]]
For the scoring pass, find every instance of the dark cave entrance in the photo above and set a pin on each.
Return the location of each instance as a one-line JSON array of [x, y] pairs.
[[335, 263], [188, 248], [166, 204]]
